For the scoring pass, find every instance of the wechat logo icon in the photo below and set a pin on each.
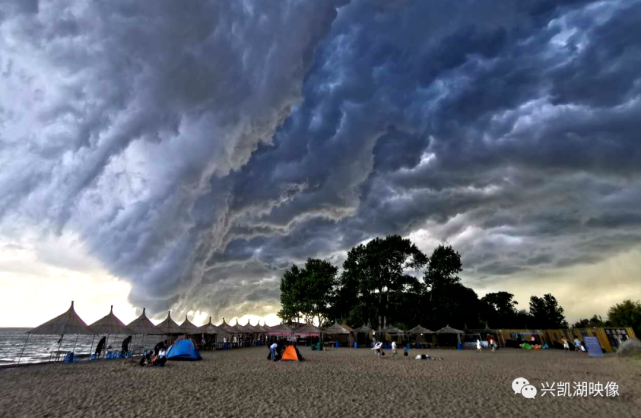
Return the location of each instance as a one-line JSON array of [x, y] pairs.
[[523, 386]]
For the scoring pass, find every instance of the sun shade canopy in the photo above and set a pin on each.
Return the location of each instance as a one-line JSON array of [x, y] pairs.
[[67, 323]]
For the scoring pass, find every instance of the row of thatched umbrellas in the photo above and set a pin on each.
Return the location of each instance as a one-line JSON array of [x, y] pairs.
[[69, 323]]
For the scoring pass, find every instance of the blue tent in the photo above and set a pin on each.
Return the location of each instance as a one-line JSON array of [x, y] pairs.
[[183, 350]]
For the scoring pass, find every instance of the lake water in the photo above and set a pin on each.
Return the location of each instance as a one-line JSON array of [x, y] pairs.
[[39, 347]]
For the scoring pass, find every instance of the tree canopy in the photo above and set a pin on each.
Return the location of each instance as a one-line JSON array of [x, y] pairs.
[[389, 281]]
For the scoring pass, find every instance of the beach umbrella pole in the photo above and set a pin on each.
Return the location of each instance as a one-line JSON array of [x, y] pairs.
[[73, 350], [60, 343], [23, 347], [91, 348]]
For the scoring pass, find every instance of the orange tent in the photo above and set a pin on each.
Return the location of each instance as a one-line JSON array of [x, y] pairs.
[[291, 354]]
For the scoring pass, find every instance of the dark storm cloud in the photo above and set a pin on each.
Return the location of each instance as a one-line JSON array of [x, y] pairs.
[[199, 149]]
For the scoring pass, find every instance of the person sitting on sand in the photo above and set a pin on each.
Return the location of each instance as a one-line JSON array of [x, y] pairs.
[[160, 346], [161, 358], [146, 359]]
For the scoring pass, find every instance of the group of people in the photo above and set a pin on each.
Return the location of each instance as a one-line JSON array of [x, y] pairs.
[[124, 348], [578, 347], [159, 355], [490, 342]]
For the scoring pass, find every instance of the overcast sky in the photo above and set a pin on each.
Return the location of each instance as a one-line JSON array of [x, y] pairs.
[[181, 155]]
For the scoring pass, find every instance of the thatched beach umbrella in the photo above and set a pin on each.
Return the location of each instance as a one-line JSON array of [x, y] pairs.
[[364, 329], [308, 330], [447, 330], [187, 326], [67, 323], [226, 328], [208, 328], [110, 325], [143, 326], [419, 330], [168, 326], [337, 329], [280, 330]]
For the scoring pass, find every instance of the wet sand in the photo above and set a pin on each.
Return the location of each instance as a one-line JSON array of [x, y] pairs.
[[341, 382]]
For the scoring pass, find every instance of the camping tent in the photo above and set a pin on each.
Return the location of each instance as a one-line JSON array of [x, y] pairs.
[[291, 353], [69, 323], [183, 349]]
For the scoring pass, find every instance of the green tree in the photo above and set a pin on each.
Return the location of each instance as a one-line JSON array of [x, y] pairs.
[[626, 314], [374, 274], [595, 321], [499, 309], [308, 292], [442, 270], [546, 312]]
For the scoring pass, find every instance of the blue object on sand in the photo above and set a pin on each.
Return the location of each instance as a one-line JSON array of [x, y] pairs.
[[183, 350]]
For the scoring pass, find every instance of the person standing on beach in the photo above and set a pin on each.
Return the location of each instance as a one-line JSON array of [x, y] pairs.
[[125, 345], [394, 351], [566, 345], [478, 345], [272, 349], [406, 350], [100, 346]]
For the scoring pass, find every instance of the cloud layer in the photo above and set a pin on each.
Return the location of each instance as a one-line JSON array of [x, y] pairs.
[[196, 150]]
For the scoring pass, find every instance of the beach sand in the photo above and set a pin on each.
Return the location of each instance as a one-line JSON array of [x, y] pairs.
[[341, 382]]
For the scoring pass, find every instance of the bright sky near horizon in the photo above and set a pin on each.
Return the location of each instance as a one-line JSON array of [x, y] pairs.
[[181, 156]]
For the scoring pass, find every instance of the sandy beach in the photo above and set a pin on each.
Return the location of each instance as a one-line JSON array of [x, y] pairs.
[[340, 382]]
